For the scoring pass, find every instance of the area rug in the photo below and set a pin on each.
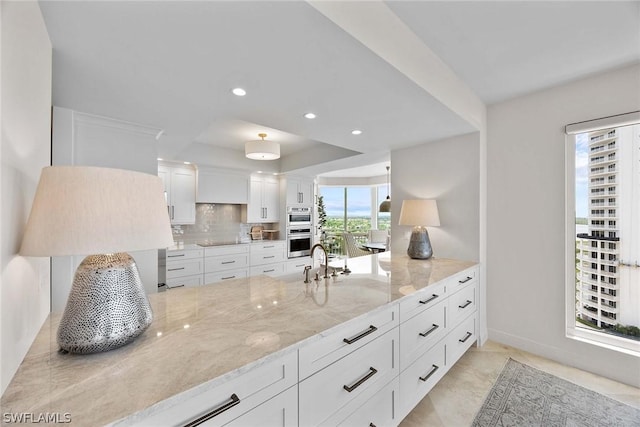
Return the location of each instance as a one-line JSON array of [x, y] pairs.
[[525, 396]]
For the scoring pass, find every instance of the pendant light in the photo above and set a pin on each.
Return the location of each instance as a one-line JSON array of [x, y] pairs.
[[385, 206], [261, 149]]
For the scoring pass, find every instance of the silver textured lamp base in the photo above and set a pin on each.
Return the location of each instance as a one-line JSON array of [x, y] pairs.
[[107, 306], [419, 244]]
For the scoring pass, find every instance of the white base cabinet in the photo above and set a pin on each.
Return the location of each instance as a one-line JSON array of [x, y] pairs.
[[183, 268], [369, 371]]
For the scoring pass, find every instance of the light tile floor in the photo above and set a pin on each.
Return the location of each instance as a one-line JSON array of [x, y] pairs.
[[454, 401]]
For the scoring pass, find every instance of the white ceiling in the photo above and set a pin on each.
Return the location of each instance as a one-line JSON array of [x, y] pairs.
[[172, 65]]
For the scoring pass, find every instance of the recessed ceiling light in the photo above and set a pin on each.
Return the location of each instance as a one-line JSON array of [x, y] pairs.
[[356, 132], [310, 116], [239, 91]]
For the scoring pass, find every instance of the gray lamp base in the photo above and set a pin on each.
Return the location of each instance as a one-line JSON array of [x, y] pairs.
[[419, 244], [107, 306]]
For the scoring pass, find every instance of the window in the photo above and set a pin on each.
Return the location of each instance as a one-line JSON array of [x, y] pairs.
[[604, 240], [354, 209]]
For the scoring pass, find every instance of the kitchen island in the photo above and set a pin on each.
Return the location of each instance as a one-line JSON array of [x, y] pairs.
[[209, 334]]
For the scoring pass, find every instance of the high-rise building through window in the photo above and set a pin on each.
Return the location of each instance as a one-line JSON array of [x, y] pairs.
[[608, 245]]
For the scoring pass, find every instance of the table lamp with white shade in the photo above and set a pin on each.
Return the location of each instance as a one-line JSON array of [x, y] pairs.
[[100, 213], [421, 214]]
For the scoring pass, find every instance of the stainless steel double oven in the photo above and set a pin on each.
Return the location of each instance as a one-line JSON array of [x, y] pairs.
[[299, 235]]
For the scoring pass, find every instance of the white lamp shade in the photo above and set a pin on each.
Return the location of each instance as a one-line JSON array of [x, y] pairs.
[[419, 212], [81, 210], [262, 150]]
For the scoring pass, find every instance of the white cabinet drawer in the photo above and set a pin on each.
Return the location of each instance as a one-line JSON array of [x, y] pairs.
[[461, 304], [226, 250], [266, 257], [188, 267], [421, 300], [421, 332], [463, 279], [230, 399], [339, 383], [297, 265], [420, 377], [225, 275], [268, 269], [345, 339], [185, 281], [460, 339], [181, 254], [281, 411], [379, 410], [267, 245], [225, 262]]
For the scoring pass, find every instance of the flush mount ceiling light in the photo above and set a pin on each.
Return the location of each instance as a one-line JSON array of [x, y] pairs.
[[356, 132], [261, 149], [310, 116], [385, 206], [239, 91]]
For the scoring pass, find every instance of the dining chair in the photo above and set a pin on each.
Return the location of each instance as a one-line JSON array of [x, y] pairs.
[[353, 250]]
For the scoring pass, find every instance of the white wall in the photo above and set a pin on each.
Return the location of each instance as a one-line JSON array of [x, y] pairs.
[[25, 148], [448, 171], [88, 140], [526, 218]]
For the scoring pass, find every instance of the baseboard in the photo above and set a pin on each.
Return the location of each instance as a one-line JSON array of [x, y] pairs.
[[587, 357]]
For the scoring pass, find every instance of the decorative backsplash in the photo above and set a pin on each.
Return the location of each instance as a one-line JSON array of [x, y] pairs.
[[215, 223]]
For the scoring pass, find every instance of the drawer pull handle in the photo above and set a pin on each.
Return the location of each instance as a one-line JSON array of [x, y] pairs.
[[466, 337], [228, 262], [372, 372], [433, 328], [465, 280], [233, 401], [174, 256], [267, 257], [428, 300], [268, 247], [371, 329], [433, 370], [269, 271], [176, 286], [465, 304], [228, 277], [175, 269]]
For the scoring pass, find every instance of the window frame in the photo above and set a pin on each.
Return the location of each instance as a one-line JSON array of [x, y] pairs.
[[572, 331]]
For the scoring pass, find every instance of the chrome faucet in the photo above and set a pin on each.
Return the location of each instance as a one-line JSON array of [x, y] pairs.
[[326, 258]]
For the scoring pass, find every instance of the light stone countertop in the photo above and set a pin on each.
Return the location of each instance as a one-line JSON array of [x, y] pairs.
[[202, 333]]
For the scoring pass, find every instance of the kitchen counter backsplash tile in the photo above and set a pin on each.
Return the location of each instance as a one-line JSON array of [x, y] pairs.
[[214, 223]]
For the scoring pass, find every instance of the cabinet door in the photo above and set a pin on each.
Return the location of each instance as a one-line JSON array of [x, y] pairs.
[[183, 196], [165, 175], [306, 192], [293, 194], [255, 211], [271, 200]]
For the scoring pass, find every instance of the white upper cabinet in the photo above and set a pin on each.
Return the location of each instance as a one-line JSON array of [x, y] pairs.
[[222, 186], [299, 191], [264, 198], [180, 189]]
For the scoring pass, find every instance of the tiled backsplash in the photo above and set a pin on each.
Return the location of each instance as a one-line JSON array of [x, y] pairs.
[[215, 223]]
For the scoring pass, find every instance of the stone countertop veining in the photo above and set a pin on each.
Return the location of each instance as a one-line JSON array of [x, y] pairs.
[[202, 333]]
